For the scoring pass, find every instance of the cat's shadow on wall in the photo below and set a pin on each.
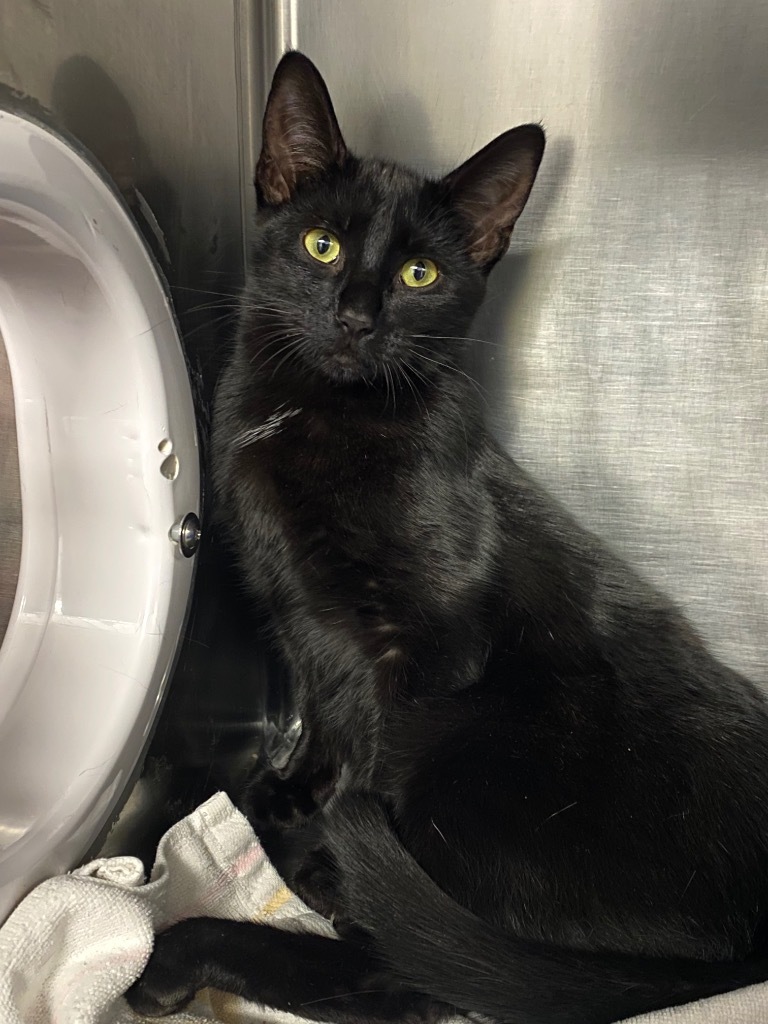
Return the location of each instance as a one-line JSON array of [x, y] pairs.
[[90, 105], [408, 136], [509, 315]]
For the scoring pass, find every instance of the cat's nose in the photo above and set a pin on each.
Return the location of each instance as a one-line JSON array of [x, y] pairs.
[[359, 305], [355, 323]]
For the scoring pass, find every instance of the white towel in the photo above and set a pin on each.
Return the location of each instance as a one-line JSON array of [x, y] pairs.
[[75, 945]]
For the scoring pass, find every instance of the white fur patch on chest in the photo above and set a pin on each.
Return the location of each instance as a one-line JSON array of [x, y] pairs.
[[271, 426]]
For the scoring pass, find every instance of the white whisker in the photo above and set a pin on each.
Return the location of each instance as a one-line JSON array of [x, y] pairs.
[[454, 337]]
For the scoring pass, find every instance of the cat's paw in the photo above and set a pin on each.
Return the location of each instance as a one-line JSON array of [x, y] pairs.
[[273, 802], [172, 976], [316, 883]]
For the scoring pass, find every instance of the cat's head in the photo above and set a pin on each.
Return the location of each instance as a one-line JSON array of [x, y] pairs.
[[363, 270]]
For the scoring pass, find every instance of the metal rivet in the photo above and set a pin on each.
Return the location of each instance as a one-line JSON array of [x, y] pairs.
[[186, 533]]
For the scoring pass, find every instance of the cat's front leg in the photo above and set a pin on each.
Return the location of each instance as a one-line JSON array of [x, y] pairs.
[[310, 975]]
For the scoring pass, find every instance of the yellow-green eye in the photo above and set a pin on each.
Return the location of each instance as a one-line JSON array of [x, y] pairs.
[[418, 273], [322, 245]]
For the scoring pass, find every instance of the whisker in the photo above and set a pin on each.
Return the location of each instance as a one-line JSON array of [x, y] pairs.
[[394, 393], [253, 302], [204, 291], [209, 324], [404, 367], [387, 381], [276, 338], [425, 381], [264, 349], [269, 338], [343, 995], [294, 347], [455, 337], [448, 366], [220, 304], [269, 307]]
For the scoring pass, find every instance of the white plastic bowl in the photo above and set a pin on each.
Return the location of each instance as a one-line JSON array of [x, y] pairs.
[[108, 464]]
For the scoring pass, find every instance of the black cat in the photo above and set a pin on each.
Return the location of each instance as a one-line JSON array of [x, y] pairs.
[[524, 788]]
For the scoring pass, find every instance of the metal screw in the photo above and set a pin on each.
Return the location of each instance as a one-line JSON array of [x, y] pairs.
[[186, 533]]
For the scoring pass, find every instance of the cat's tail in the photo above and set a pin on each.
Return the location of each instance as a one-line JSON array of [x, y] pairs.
[[437, 947]]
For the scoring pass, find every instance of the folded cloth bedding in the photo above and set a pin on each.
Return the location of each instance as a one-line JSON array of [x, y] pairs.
[[77, 942]]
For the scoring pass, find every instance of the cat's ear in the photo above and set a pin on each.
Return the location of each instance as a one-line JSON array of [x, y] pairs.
[[301, 137], [490, 190]]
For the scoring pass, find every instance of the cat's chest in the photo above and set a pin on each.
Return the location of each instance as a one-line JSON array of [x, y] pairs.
[[298, 469], [368, 567], [320, 503], [359, 515]]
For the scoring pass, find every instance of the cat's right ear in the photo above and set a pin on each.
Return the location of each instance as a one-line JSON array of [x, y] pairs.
[[300, 137]]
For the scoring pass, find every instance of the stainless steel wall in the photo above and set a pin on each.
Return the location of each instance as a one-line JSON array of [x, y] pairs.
[[151, 88], [629, 364]]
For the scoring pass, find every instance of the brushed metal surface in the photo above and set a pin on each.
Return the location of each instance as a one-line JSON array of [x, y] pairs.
[[10, 496], [151, 90], [629, 323]]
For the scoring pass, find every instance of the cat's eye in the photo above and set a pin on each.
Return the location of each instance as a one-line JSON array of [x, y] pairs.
[[322, 245], [418, 273]]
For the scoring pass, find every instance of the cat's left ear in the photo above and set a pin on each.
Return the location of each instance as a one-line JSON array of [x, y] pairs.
[[490, 190], [300, 137]]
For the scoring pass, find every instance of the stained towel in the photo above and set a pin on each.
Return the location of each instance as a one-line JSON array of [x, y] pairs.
[[77, 942]]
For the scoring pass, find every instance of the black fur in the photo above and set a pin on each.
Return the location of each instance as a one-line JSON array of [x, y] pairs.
[[524, 787]]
